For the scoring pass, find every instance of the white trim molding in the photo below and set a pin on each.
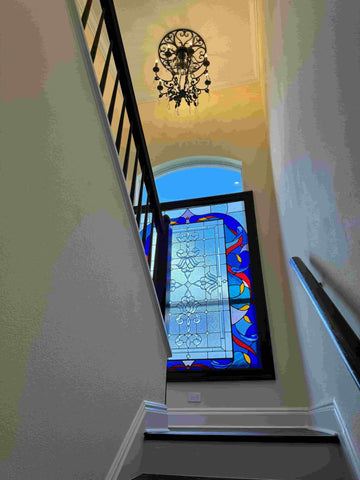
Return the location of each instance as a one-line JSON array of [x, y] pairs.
[[150, 415], [118, 170], [328, 417], [156, 417], [195, 162], [222, 418]]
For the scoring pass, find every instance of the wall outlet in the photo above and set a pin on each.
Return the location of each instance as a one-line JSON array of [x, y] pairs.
[[194, 397]]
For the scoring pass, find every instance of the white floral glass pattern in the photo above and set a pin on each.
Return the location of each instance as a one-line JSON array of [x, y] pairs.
[[199, 324]]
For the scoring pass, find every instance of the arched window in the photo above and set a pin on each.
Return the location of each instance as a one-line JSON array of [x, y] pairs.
[[196, 177], [216, 315]]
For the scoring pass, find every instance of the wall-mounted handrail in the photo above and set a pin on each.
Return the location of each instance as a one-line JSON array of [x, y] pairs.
[[345, 339]]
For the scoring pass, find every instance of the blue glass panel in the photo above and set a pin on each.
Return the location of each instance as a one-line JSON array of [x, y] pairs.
[[216, 264], [198, 313]]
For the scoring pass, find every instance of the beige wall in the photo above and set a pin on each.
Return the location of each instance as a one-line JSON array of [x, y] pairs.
[[232, 123], [314, 111], [76, 308]]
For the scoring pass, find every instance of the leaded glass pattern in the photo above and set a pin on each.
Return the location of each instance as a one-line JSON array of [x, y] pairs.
[[234, 276], [216, 315], [198, 313]]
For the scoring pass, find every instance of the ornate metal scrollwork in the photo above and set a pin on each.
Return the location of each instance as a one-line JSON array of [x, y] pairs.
[[183, 53]]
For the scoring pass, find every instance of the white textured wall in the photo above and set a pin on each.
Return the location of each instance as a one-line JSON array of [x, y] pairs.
[[81, 341], [314, 108]]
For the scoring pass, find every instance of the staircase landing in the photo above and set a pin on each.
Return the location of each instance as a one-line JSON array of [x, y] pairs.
[[289, 435], [246, 453], [155, 476]]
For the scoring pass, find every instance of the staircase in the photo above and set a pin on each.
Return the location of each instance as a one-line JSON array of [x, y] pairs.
[[246, 454], [251, 453]]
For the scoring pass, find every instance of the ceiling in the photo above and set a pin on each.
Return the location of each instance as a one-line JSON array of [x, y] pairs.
[[229, 28]]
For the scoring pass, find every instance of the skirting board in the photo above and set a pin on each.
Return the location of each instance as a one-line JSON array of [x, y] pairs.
[[219, 418], [324, 417], [153, 416], [150, 416], [328, 418]]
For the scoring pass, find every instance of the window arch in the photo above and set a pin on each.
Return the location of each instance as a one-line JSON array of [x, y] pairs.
[[197, 176], [216, 315]]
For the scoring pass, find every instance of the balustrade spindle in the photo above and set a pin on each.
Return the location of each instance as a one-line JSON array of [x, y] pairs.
[[106, 69], [127, 153], [133, 180], [85, 15], [120, 127], [97, 37], [113, 99]]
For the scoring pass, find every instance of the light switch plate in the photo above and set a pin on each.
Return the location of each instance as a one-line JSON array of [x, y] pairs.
[[194, 397]]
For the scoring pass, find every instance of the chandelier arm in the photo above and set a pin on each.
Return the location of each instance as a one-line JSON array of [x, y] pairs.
[[202, 52], [203, 89], [195, 80], [197, 77]]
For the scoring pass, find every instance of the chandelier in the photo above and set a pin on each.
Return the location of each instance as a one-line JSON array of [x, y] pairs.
[[182, 53]]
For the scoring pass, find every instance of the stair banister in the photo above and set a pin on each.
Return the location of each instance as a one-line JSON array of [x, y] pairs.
[[148, 204], [122, 68]]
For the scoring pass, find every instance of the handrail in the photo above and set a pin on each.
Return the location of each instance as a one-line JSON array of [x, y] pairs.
[[131, 106], [145, 198], [342, 334]]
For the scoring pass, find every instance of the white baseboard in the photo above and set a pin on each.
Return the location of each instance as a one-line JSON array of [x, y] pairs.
[[218, 418], [153, 416], [156, 417], [329, 418], [325, 417], [150, 415]]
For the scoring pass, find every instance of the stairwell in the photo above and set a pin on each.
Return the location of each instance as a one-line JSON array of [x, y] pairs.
[[241, 453], [251, 453]]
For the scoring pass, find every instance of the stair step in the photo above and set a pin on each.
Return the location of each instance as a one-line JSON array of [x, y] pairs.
[[246, 453], [156, 476], [289, 435]]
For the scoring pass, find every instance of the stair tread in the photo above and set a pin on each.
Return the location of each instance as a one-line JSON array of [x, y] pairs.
[[246, 434], [157, 476]]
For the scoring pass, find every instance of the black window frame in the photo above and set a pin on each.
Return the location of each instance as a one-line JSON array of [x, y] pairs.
[[266, 372]]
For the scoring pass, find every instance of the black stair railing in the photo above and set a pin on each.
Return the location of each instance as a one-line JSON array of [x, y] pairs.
[[141, 182]]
